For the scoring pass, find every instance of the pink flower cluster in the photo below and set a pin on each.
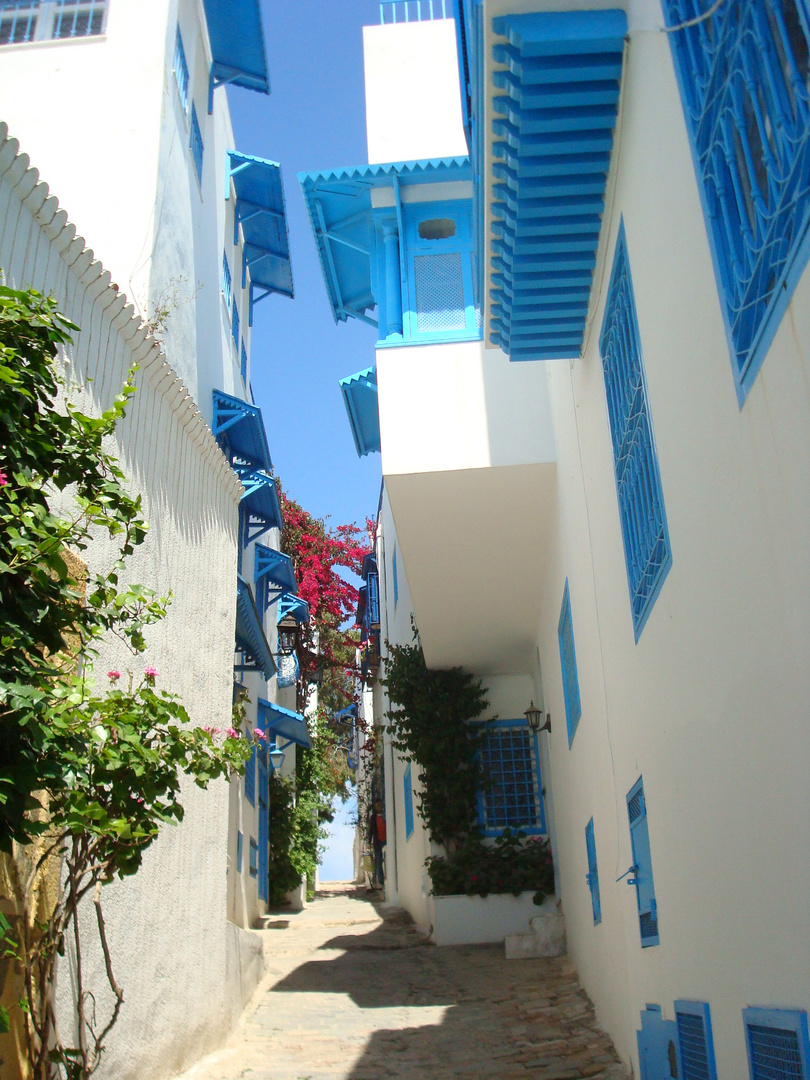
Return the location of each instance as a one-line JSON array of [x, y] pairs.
[[212, 730], [150, 674], [258, 733], [231, 733], [113, 676]]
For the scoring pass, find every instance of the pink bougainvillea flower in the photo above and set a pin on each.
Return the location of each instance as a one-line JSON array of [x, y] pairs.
[[3, 479], [113, 676], [258, 733], [232, 733], [150, 673]]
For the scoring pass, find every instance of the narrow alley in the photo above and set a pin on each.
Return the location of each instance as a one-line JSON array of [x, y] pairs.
[[356, 993]]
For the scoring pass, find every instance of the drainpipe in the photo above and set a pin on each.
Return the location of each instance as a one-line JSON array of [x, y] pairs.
[[392, 883], [393, 284]]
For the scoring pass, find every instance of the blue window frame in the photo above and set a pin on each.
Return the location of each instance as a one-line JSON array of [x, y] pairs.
[[181, 70], [253, 866], [195, 142], [250, 776], [396, 582], [240, 840], [592, 877], [408, 790], [777, 1044], [647, 550], [695, 1044], [512, 796], [642, 865], [227, 286], [568, 664], [235, 324], [23, 21], [743, 74], [244, 363]]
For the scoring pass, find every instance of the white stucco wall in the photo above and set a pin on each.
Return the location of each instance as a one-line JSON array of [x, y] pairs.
[[413, 104], [184, 969]]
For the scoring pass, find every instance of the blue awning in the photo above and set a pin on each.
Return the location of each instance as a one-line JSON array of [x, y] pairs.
[[556, 115], [260, 500], [250, 639], [360, 398], [339, 206], [295, 606], [277, 569], [240, 428], [237, 46], [284, 722], [260, 210]]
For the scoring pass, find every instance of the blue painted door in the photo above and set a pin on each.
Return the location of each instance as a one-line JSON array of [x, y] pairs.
[[264, 830], [657, 1054], [642, 864]]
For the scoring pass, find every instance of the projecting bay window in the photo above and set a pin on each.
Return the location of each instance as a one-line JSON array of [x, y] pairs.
[[23, 21]]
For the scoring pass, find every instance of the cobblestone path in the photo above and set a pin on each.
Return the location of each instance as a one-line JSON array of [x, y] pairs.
[[355, 993]]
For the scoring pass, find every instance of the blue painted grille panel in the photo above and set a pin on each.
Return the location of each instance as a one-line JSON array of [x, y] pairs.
[[511, 797], [439, 292], [744, 81], [694, 1050], [235, 324], [226, 280], [196, 142], [79, 18], [243, 367], [568, 663], [18, 21], [181, 70], [638, 483], [774, 1054], [408, 792]]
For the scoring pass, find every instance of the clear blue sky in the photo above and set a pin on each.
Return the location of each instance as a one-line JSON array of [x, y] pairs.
[[313, 119]]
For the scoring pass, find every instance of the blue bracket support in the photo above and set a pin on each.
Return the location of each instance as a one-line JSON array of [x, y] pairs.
[[218, 80], [277, 569]]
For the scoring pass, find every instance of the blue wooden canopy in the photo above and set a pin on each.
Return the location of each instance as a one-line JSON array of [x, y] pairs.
[[239, 427], [259, 209], [290, 725], [277, 569], [260, 500], [237, 46], [360, 398], [295, 606], [250, 639], [340, 211]]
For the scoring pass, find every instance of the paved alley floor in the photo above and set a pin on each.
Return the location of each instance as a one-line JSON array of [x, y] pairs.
[[356, 993]]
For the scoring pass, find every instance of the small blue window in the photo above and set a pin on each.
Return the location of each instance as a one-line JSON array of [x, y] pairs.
[[226, 280], [695, 1043], [568, 663], [408, 786], [244, 363], [641, 502], [254, 858], [592, 876], [22, 21], [250, 776], [778, 1045], [196, 142], [181, 70], [743, 72], [396, 583], [235, 324], [512, 793], [642, 865], [239, 847]]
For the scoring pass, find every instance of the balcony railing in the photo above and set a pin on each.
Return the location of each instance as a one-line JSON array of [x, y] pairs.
[[392, 11]]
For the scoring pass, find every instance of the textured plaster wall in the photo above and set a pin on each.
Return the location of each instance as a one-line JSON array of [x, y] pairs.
[[184, 970]]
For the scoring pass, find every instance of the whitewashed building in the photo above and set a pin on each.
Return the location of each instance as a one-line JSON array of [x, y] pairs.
[[120, 107], [587, 258]]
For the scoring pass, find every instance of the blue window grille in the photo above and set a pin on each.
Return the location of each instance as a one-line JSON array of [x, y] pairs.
[[642, 875], [777, 1043], [250, 776], [647, 550], [695, 1044], [226, 280], [43, 20], [18, 21], [512, 793], [240, 841], [396, 582], [181, 70], [235, 324], [253, 865], [196, 142], [408, 787], [743, 73], [244, 363], [592, 877], [568, 664]]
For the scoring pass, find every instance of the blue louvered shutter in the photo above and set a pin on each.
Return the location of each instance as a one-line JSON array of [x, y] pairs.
[[777, 1043], [642, 862], [695, 1046], [593, 874], [408, 786]]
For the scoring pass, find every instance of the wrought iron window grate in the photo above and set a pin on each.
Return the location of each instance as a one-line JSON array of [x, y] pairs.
[[181, 70], [511, 797], [745, 82], [23, 21], [196, 143], [568, 664], [692, 1039], [641, 503], [775, 1054], [439, 292]]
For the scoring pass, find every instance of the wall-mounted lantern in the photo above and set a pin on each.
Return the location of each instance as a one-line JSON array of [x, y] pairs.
[[534, 717]]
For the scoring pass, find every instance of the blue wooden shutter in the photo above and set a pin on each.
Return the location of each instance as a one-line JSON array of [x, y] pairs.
[[657, 1051], [264, 830], [593, 874], [642, 863], [778, 1045], [250, 777], [408, 802], [695, 1040], [568, 664], [239, 846]]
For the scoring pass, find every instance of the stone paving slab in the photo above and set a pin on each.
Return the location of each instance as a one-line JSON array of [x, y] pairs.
[[356, 993]]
